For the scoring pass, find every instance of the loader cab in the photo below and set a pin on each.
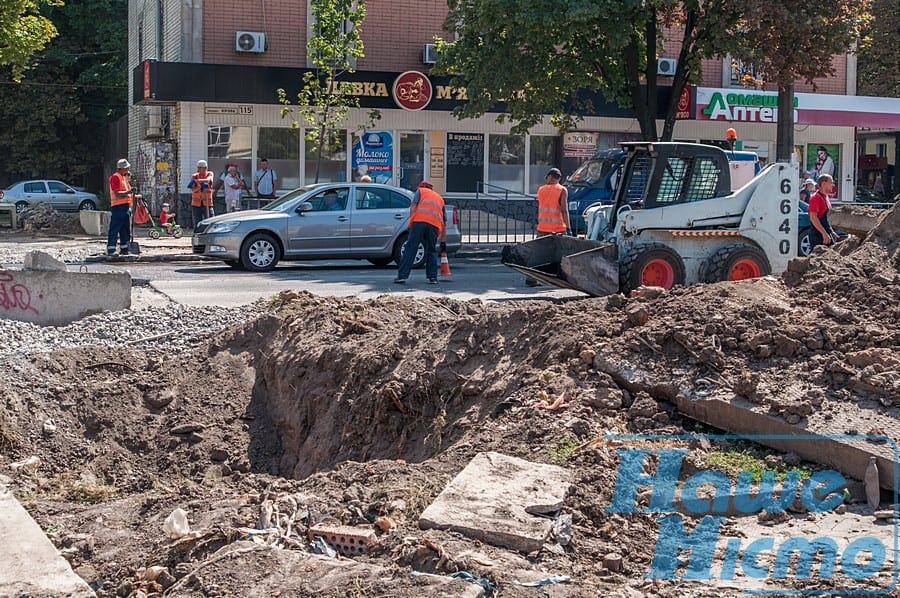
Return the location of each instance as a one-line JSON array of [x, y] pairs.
[[656, 175]]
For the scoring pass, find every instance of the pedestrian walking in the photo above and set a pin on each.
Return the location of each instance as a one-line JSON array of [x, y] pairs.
[[553, 210], [427, 223], [120, 197]]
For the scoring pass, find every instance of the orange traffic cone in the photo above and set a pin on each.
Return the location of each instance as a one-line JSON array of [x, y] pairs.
[[445, 264]]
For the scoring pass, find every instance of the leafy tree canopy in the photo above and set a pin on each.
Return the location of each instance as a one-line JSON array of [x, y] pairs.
[[323, 102], [535, 57], [797, 39], [53, 121], [23, 31], [879, 51]]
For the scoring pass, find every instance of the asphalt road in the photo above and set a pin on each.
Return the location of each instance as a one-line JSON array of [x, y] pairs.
[[191, 283]]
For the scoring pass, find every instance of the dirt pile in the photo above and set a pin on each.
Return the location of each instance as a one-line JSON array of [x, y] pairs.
[[353, 412], [42, 218]]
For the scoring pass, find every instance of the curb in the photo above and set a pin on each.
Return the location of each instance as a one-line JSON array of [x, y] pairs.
[[190, 257]]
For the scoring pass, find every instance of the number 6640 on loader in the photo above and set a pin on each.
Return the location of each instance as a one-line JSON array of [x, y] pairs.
[[675, 221]]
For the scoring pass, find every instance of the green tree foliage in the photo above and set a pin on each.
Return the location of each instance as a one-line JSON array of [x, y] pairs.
[[795, 39], [23, 31], [53, 122], [324, 102], [879, 51], [537, 58]]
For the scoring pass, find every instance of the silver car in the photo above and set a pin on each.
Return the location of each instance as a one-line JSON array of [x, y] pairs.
[[56, 193], [316, 222]]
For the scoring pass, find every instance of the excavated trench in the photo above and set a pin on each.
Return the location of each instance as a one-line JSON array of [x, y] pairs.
[[342, 388]]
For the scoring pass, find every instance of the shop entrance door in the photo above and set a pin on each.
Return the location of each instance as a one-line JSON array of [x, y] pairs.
[[412, 159]]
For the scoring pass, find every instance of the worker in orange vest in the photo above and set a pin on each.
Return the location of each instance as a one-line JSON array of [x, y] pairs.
[[120, 197], [427, 223], [553, 210], [201, 187]]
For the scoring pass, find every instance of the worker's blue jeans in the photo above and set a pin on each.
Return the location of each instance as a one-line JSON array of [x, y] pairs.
[[119, 228], [427, 234]]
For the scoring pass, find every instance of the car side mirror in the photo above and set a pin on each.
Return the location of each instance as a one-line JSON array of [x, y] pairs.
[[304, 207], [69, 190]]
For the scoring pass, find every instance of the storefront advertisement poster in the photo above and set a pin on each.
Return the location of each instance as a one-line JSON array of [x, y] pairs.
[[373, 155], [822, 159]]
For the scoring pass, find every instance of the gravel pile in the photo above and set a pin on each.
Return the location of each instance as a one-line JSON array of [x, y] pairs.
[[172, 328], [15, 255]]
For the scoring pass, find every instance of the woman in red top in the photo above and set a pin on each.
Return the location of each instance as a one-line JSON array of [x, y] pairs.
[[819, 206]]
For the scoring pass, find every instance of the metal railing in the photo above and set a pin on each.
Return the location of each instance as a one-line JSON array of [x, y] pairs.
[[496, 215]]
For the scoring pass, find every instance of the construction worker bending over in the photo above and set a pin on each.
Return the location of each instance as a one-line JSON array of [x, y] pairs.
[[427, 223]]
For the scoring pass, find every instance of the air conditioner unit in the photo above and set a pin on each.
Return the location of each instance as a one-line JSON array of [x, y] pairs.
[[249, 41], [665, 67], [430, 54]]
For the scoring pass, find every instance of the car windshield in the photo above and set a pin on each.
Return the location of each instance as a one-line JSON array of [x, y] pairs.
[[592, 172], [281, 204]]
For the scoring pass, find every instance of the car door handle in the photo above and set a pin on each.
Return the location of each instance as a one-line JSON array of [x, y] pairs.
[[399, 216], [343, 219]]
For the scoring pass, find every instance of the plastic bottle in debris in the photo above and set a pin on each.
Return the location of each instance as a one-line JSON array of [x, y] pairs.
[[873, 487]]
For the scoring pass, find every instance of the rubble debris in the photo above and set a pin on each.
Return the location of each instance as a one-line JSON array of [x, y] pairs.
[[494, 498]]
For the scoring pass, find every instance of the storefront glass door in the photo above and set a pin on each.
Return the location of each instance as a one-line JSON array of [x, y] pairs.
[[412, 159]]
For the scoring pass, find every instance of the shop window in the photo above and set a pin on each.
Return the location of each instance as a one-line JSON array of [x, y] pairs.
[[281, 147], [226, 144], [506, 163], [542, 156], [333, 166]]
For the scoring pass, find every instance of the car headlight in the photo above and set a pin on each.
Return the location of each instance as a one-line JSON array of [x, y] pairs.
[[222, 227]]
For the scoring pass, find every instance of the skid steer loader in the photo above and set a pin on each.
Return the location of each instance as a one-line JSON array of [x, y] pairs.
[[675, 221]]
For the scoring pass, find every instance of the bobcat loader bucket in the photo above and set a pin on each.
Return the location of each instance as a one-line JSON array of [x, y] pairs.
[[855, 221], [567, 262]]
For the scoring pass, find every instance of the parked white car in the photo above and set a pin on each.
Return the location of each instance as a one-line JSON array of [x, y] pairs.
[[56, 193]]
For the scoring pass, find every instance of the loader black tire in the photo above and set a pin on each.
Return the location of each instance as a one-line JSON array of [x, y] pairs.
[[736, 262], [653, 264]]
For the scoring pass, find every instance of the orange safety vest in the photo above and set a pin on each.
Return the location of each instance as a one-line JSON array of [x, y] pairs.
[[550, 218], [124, 185], [201, 197], [430, 210]]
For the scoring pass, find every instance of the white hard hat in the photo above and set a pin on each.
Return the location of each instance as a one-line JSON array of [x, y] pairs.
[[123, 163], [201, 164]]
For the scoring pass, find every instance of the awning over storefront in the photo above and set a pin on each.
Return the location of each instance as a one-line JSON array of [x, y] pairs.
[[171, 82], [750, 105]]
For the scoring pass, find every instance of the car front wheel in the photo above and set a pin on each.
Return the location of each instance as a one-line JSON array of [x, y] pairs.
[[87, 204], [804, 243], [260, 253], [20, 206], [400, 245]]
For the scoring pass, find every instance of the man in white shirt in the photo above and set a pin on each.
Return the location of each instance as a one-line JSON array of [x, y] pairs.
[[233, 185], [265, 180]]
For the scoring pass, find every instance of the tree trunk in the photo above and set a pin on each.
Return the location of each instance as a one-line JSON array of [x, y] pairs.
[[638, 99], [785, 134], [681, 75]]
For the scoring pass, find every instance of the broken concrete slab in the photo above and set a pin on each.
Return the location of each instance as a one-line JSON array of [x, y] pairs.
[[834, 437], [44, 262], [60, 298], [493, 500], [94, 222], [31, 564]]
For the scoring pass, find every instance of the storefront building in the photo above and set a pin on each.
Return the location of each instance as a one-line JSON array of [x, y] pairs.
[[199, 94]]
